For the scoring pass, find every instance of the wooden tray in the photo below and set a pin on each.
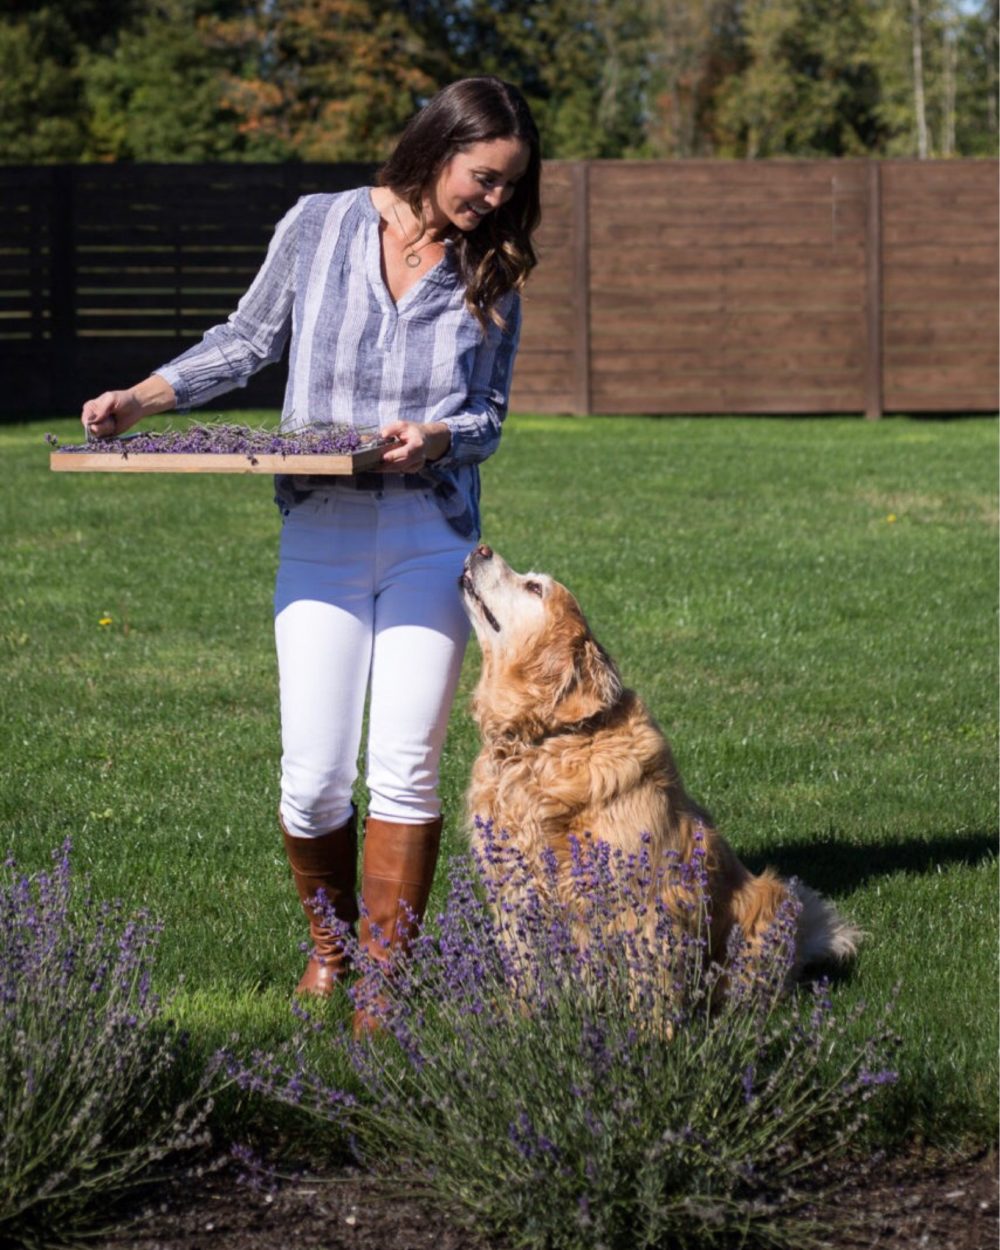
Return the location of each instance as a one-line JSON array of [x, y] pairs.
[[207, 462]]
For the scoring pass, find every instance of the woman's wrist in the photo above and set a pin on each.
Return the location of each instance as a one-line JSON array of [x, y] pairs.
[[437, 440], [145, 399], [153, 395]]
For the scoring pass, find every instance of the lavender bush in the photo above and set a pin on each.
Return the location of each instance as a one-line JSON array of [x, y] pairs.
[[551, 1075], [232, 440], [84, 1057]]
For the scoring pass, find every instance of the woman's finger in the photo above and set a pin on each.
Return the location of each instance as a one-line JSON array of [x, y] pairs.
[[408, 455]]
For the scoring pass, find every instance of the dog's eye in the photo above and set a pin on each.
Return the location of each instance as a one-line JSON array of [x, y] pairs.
[[533, 588]]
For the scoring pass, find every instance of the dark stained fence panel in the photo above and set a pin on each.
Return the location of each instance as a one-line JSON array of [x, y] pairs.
[[130, 265], [35, 278]]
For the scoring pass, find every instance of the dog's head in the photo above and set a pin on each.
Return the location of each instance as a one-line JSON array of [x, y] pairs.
[[542, 667]]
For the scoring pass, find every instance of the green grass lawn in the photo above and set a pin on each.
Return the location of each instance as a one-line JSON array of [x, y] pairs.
[[809, 606]]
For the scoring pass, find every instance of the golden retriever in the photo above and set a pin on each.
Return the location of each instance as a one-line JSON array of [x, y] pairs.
[[568, 753]]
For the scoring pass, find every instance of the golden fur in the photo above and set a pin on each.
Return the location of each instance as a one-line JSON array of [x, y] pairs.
[[568, 752]]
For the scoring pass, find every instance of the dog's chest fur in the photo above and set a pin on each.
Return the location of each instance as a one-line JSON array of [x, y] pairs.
[[570, 783]]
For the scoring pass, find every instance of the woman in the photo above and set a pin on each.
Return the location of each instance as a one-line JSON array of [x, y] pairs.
[[402, 306]]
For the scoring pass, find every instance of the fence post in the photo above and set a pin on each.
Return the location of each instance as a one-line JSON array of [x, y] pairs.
[[581, 288], [873, 292], [62, 293]]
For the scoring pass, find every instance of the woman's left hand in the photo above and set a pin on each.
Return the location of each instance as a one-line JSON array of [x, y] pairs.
[[418, 445]]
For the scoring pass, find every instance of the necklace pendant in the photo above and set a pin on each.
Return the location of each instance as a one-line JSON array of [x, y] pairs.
[[412, 260]]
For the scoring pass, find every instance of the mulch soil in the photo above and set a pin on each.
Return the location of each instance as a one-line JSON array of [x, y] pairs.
[[934, 1203]]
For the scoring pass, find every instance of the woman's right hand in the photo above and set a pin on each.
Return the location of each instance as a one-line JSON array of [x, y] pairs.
[[114, 412], [110, 414]]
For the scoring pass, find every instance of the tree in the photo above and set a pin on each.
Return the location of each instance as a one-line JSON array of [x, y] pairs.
[[322, 79], [936, 67], [158, 94], [808, 86], [976, 82], [919, 97], [584, 66], [175, 80], [695, 47], [40, 105], [91, 24]]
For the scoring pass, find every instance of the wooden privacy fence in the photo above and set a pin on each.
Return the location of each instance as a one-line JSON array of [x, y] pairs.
[[664, 287], [805, 286]]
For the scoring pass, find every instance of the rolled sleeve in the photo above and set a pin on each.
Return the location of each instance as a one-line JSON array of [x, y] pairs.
[[475, 432], [254, 335]]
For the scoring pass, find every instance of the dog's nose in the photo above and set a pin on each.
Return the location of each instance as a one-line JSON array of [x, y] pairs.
[[484, 552]]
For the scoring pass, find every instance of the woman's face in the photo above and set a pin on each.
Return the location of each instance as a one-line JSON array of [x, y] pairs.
[[475, 182]]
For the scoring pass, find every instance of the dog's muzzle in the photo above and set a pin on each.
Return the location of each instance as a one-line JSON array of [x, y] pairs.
[[467, 583]]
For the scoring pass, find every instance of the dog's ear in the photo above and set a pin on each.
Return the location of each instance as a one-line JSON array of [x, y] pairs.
[[587, 681], [593, 682]]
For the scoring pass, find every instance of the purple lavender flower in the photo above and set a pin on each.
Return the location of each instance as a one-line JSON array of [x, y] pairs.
[[564, 1074], [84, 1054], [886, 1076]]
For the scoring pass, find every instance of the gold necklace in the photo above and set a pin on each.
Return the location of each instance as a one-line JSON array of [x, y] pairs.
[[412, 258]]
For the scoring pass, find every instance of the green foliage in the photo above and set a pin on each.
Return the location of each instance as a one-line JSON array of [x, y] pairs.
[[583, 64], [809, 86], [40, 106], [92, 24], [336, 79], [157, 95], [957, 77], [976, 87], [323, 80], [697, 47]]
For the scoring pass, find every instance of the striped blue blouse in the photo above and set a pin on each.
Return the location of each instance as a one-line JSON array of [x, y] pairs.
[[358, 358]]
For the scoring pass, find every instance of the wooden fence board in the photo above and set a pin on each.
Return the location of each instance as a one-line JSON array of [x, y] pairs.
[[836, 285], [707, 401], [671, 257], [770, 235], [777, 326], [943, 288], [741, 364]]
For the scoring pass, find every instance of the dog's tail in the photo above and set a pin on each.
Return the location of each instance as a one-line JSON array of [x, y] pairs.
[[824, 936]]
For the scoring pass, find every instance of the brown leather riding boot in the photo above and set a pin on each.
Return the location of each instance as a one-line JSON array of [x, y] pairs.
[[397, 871], [327, 863]]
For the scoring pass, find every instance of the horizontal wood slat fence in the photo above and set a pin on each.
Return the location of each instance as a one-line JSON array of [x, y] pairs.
[[664, 287]]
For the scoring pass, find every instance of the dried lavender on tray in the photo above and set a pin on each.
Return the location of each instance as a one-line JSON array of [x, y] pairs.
[[219, 448], [231, 440]]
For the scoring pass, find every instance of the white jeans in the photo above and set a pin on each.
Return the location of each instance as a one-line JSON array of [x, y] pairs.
[[366, 596]]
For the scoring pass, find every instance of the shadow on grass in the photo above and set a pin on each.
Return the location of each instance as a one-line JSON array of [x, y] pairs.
[[838, 868]]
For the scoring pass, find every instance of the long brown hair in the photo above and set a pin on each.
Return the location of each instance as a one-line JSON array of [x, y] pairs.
[[496, 257]]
